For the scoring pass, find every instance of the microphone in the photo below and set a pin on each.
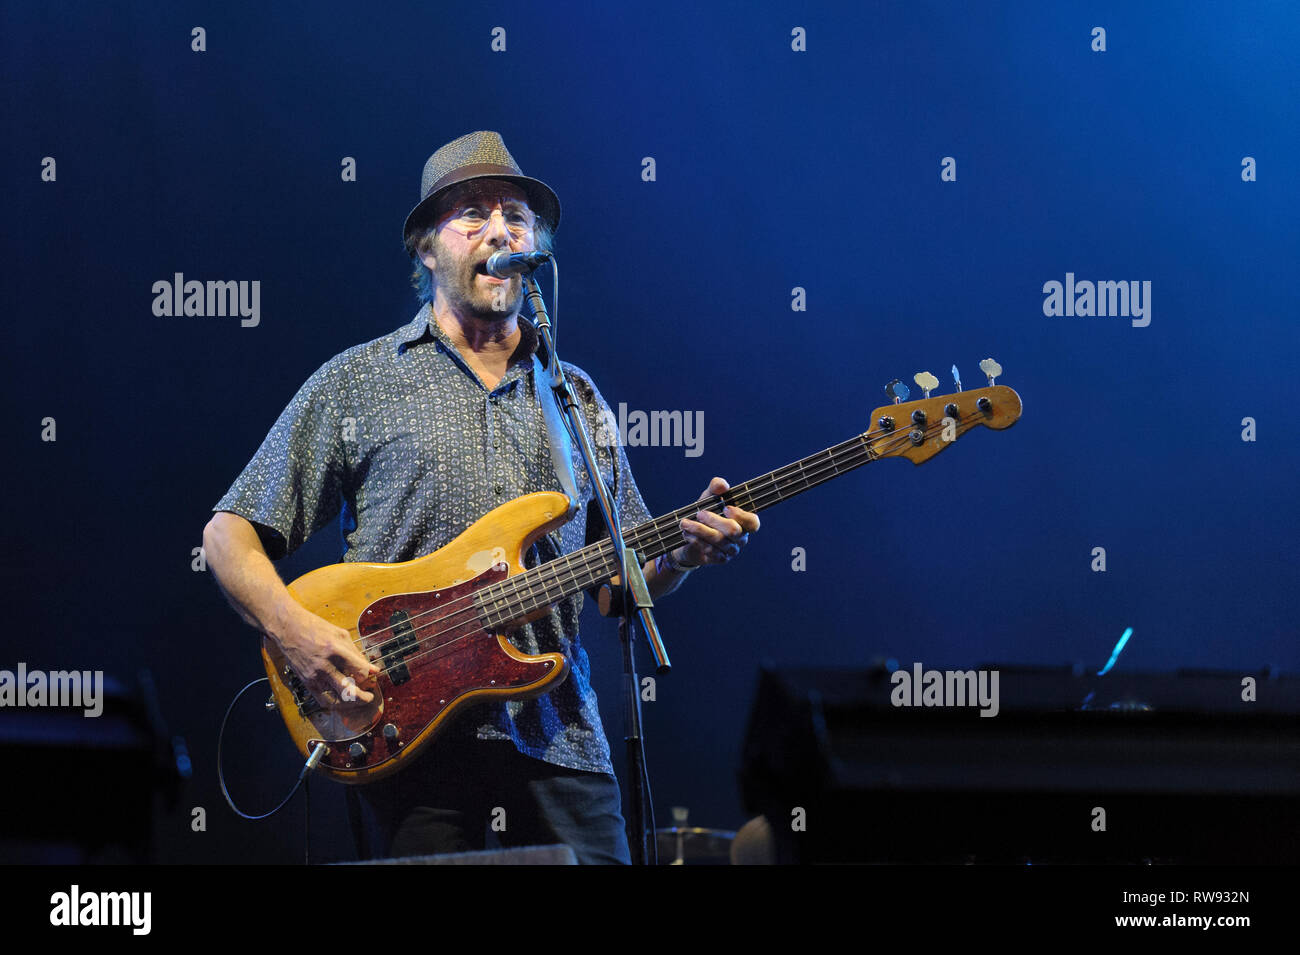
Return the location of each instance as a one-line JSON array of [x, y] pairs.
[[505, 264]]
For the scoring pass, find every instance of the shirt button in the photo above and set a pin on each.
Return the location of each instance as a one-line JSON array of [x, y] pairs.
[[495, 399], [496, 442], [499, 488]]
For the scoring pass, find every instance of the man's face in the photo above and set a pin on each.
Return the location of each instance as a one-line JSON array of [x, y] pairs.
[[477, 219]]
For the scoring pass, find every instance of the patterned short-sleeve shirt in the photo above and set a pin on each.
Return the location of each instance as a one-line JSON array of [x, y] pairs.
[[402, 441]]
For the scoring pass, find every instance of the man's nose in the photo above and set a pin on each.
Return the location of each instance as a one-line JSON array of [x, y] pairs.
[[497, 232]]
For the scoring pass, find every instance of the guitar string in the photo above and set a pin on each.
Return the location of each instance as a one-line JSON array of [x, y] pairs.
[[776, 496], [653, 532], [772, 495], [518, 605], [664, 527]]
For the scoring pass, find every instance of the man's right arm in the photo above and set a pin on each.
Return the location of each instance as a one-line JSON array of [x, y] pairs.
[[322, 654]]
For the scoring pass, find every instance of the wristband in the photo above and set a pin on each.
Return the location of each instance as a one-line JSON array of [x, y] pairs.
[[673, 564]]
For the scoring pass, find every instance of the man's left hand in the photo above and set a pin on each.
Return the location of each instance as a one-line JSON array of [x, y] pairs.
[[716, 538]]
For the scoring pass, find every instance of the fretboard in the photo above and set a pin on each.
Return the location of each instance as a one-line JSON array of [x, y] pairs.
[[507, 602]]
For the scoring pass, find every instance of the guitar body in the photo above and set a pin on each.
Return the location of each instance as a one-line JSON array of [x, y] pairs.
[[420, 622]]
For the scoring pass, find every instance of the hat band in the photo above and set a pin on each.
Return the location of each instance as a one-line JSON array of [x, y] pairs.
[[472, 171]]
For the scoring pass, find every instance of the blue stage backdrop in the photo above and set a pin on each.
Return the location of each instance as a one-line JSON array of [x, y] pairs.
[[770, 211]]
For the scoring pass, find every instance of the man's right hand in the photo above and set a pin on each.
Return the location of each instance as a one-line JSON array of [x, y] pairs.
[[324, 656], [331, 666]]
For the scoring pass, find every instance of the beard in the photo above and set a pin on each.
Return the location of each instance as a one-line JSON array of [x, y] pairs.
[[469, 295]]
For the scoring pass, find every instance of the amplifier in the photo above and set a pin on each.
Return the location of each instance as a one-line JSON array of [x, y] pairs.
[[892, 765]]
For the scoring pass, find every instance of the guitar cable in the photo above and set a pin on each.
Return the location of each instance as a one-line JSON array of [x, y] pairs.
[[312, 760]]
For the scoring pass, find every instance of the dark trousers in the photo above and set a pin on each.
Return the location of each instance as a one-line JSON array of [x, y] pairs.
[[469, 794]]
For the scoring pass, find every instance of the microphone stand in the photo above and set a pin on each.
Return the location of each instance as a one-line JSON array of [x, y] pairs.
[[635, 594]]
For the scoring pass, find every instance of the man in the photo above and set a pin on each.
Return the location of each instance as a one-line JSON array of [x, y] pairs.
[[412, 437]]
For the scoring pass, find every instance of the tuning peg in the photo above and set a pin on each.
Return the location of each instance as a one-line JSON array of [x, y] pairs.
[[897, 390], [990, 368], [956, 377], [926, 382]]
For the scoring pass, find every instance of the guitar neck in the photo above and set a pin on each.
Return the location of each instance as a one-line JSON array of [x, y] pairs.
[[517, 597], [664, 533]]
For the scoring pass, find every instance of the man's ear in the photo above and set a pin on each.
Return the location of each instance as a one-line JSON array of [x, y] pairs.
[[429, 261]]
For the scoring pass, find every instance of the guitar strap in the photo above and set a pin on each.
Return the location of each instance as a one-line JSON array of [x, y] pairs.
[[557, 429]]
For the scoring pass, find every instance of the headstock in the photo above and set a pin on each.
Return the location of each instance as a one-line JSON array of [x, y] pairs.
[[918, 430]]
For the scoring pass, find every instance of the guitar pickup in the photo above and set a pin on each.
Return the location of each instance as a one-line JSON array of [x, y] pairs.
[[394, 650], [307, 704]]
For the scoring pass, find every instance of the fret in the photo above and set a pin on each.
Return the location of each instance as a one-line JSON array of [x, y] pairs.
[[517, 597]]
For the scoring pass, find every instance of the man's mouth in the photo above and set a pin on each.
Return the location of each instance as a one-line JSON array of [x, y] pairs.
[[481, 269]]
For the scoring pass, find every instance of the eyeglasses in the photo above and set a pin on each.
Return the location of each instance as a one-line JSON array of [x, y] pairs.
[[473, 218]]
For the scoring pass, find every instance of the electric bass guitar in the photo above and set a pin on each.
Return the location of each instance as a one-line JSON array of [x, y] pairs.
[[436, 625]]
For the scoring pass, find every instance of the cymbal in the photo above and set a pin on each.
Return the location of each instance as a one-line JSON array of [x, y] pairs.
[[694, 846]]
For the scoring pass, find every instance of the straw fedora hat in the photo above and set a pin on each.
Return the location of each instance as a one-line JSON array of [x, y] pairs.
[[478, 155]]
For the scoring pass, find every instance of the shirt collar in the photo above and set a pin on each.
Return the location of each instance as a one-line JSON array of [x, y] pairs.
[[415, 330], [424, 326]]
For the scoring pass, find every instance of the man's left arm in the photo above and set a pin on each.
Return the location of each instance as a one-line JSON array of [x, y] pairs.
[[710, 539]]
